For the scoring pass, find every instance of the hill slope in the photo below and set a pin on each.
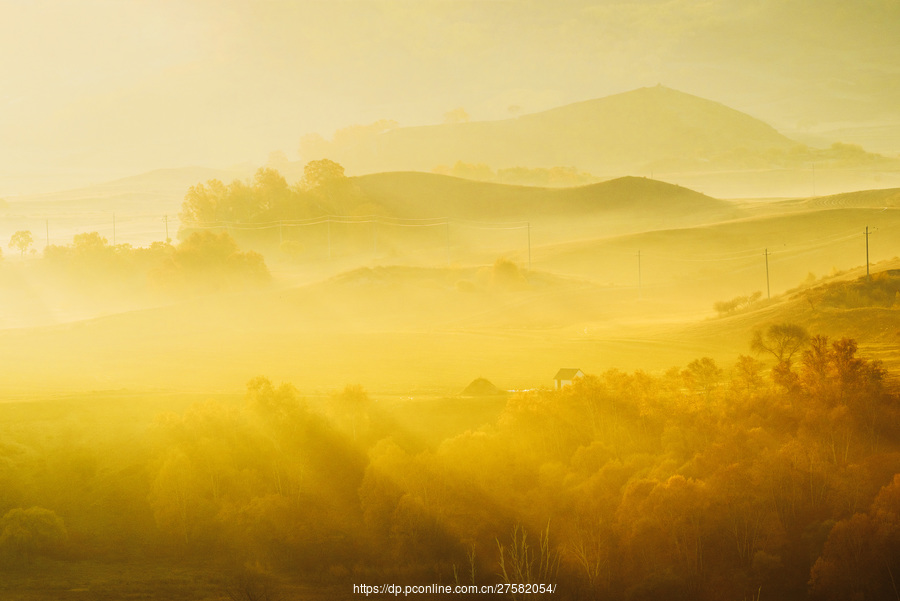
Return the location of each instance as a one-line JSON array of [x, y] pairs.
[[428, 195], [867, 310], [612, 135]]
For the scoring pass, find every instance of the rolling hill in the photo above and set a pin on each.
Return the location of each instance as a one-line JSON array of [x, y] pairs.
[[426, 195], [848, 305], [615, 135]]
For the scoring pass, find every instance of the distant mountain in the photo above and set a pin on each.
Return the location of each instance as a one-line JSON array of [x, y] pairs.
[[624, 133]]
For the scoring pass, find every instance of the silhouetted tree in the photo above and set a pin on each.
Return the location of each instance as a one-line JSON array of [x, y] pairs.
[[21, 241], [781, 340]]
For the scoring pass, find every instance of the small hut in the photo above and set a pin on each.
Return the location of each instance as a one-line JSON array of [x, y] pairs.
[[566, 375]]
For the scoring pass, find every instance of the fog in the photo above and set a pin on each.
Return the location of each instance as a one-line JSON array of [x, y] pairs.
[[592, 299], [106, 90]]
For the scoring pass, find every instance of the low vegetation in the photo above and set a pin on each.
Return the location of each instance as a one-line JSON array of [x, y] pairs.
[[881, 289], [737, 303]]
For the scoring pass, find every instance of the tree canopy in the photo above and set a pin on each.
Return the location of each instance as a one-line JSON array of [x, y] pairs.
[[21, 241]]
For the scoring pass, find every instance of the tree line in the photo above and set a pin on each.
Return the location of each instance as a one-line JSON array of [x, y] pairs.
[[323, 190]]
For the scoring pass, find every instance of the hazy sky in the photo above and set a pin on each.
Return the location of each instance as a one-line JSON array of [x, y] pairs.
[[96, 89]]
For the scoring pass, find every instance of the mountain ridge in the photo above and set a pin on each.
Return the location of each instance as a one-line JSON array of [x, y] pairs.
[[619, 134]]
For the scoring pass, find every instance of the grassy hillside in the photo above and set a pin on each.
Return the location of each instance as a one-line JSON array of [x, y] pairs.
[[728, 257], [848, 305], [411, 330], [463, 314], [430, 195]]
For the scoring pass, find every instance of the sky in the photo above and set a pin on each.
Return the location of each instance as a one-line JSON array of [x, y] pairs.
[[99, 89]]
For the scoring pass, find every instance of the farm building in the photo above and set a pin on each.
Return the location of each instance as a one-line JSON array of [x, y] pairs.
[[566, 376]]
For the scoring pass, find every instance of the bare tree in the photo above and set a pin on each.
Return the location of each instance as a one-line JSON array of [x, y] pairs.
[[782, 340]]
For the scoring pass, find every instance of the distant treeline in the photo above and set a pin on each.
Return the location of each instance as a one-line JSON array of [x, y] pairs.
[[519, 176], [699, 483], [323, 190], [837, 156], [204, 261]]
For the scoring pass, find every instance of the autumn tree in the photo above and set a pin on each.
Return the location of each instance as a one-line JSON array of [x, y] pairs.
[[27, 532], [202, 202], [271, 191], [210, 260], [782, 341], [861, 559], [323, 172], [21, 241], [352, 411], [746, 376], [703, 376]]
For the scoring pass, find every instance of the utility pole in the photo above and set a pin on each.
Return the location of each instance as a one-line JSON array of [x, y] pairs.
[[328, 222], [768, 291], [867, 252], [448, 242], [375, 236], [167, 228], [640, 283], [814, 177], [114, 229], [280, 233], [529, 245], [47, 224]]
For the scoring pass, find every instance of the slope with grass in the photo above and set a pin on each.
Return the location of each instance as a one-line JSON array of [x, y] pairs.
[[429, 195], [850, 305], [399, 328]]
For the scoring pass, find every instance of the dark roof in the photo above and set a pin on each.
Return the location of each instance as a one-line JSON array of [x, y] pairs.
[[482, 387], [567, 373]]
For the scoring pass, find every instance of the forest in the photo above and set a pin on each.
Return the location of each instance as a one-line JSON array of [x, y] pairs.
[[769, 478]]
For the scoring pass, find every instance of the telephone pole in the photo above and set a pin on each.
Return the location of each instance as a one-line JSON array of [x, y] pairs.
[[814, 177], [167, 228], [768, 291], [47, 224], [448, 242], [114, 229], [867, 252], [640, 283], [529, 245]]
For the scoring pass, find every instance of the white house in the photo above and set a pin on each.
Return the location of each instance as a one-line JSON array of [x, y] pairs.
[[566, 376]]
